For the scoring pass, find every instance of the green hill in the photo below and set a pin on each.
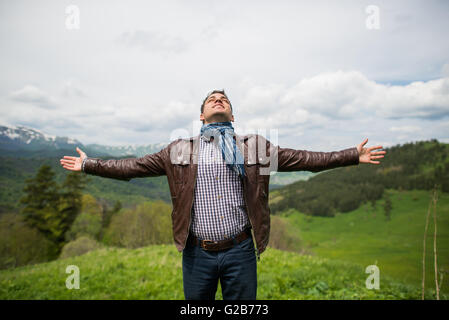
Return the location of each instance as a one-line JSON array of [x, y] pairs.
[[154, 272], [412, 166], [364, 236]]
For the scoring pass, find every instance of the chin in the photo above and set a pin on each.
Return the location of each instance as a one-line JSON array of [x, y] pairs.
[[218, 119], [220, 115]]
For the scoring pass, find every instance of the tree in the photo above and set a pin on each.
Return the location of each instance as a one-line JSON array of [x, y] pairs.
[[41, 202], [387, 207], [147, 223], [85, 224], [107, 214], [373, 204], [21, 245], [49, 208], [70, 202]]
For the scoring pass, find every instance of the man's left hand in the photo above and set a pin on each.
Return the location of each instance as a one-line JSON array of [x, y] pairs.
[[366, 155]]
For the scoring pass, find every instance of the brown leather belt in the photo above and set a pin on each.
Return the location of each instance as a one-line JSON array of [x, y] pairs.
[[210, 245]]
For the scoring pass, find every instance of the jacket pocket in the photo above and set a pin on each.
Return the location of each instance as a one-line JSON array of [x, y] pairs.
[[256, 173], [252, 172], [180, 177], [260, 178]]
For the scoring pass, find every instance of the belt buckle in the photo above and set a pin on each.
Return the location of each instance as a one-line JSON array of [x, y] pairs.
[[207, 242]]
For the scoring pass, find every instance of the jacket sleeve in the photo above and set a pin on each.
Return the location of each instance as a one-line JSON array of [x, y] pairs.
[[150, 165], [297, 160], [303, 160]]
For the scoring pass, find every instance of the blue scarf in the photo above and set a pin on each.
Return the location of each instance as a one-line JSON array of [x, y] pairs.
[[231, 154]]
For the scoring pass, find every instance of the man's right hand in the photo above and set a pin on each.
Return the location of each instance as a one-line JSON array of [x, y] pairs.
[[73, 163]]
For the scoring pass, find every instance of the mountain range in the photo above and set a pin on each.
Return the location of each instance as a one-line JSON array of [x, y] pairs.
[[26, 141]]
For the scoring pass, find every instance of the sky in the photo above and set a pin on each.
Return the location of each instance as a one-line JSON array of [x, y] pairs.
[[313, 75]]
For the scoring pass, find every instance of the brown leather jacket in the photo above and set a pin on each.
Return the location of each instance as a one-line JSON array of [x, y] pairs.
[[178, 161]]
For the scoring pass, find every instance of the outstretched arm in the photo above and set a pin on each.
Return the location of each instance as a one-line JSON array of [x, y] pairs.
[[150, 165], [304, 160], [297, 160]]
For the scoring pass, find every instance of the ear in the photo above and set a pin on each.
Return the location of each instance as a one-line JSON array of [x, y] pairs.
[[201, 117], [232, 118]]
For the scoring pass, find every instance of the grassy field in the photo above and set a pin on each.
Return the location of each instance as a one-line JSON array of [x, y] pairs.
[[337, 252], [154, 272], [365, 237]]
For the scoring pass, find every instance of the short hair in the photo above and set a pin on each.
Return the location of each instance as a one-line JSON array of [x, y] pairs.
[[211, 93]]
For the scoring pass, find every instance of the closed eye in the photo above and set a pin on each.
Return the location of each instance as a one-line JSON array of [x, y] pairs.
[[214, 99]]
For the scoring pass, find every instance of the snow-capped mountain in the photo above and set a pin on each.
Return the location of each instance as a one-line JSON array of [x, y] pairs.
[[30, 139], [20, 138]]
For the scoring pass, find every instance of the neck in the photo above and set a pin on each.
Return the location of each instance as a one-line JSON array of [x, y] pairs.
[[217, 118]]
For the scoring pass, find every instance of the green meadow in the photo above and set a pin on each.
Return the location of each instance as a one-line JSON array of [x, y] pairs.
[[154, 272], [365, 237], [328, 262]]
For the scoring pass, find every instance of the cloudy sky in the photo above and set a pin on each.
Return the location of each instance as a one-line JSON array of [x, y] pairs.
[[324, 75]]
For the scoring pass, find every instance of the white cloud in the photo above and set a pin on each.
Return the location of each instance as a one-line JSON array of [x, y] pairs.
[[141, 69], [73, 89], [406, 129], [332, 94], [152, 41], [32, 95], [419, 99], [445, 70], [346, 95]]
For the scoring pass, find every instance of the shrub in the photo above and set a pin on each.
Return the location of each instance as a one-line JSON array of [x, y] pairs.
[[21, 245], [279, 236], [90, 205], [87, 224], [318, 207], [79, 246], [148, 223]]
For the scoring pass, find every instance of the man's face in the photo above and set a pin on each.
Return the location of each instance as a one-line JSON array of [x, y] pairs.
[[217, 108]]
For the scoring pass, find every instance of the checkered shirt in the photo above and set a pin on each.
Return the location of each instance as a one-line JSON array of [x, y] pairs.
[[219, 210]]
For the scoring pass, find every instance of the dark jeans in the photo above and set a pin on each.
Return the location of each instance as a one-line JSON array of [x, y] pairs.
[[236, 268]]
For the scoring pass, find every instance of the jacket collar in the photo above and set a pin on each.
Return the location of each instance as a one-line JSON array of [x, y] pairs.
[[196, 138], [240, 144]]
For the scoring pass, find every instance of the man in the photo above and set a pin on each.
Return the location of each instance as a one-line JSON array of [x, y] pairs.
[[219, 187]]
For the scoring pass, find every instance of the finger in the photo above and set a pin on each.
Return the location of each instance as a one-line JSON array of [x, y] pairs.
[[376, 157], [374, 162], [374, 148], [377, 153], [67, 162], [364, 142], [70, 158]]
